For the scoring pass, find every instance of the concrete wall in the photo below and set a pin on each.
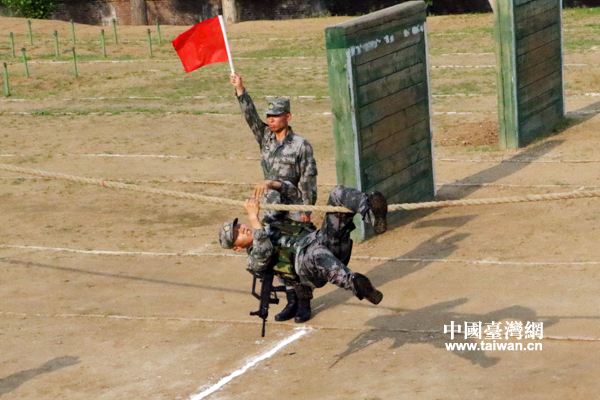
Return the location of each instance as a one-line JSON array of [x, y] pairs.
[[187, 12], [184, 12], [168, 12]]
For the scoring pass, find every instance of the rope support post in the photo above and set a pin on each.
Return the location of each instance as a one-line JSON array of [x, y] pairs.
[[114, 21], [30, 32], [149, 43], [103, 40], [12, 44], [73, 31], [56, 50], [6, 85], [158, 30], [25, 62], [75, 62]]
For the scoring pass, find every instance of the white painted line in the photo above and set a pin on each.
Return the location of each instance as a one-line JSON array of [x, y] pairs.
[[163, 156], [280, 58], [98, 61], [584, 112], [298, 57], [226, 183], [449, 34], [303, 97], [499, 160], [156, 156], [174, 61], [524, 161], [119, 253], [517, 186], [164, 98], [476, 262], [203, 182], [275, 38], [255, 322], [396, 259], [462, 54], [573, 338], [494, 66], [461, 66], [157, 112], [461, 95], [463, 112], [250, 364]]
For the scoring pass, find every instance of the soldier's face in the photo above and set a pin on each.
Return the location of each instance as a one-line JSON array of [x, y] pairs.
[[243, 237], [278, 123]]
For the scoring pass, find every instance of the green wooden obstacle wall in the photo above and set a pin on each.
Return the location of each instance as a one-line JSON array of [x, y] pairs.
[[378, 79], [530, 73]]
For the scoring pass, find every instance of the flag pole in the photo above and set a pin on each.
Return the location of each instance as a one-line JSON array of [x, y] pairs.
[[226, 43]]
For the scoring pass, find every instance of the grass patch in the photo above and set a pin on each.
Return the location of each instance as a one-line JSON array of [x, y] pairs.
[[579, 43], [318, 51]]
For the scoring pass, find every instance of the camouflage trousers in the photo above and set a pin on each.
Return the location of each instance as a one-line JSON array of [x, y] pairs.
[[325, 254]]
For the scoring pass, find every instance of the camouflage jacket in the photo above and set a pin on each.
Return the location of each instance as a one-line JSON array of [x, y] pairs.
[[269, 239], [290, 160]]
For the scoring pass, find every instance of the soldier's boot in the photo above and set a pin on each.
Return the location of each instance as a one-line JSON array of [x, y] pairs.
[[291, 308], [305, 295], [379, 208], [304, 311], [363, 289]]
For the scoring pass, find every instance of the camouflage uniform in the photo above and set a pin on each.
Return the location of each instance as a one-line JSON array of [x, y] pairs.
[[290, 160], [321, 256]]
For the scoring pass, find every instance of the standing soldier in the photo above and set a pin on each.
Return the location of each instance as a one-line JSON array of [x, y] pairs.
[[285, 156]]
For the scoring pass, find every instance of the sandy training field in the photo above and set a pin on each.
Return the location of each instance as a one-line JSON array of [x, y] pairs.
[[108, 294]]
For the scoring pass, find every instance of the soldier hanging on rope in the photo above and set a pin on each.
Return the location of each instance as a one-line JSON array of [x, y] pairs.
[[307, 257]]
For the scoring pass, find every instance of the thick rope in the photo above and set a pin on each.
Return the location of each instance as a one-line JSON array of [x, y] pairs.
[[578, 194], [171, 193]]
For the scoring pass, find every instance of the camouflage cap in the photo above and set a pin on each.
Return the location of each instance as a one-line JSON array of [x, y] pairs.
[[278, 106], [226, 234]]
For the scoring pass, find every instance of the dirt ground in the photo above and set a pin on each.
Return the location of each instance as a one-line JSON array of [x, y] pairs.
[[108, 294]]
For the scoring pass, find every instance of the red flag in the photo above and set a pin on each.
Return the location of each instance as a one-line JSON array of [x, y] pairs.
[[201, 45]]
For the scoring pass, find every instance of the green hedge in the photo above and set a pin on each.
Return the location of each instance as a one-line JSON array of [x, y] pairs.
[[29, 8]]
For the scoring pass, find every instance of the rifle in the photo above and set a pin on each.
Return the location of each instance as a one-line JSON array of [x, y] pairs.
[[268, 294]]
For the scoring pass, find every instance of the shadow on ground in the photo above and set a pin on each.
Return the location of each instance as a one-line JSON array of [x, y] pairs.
[[119, 276], [439, 246], [426, 325], [498, 172], [444, 244], [13, 381], [583, 114], [456, 190]]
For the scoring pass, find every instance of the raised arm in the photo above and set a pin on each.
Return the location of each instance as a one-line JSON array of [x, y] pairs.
[[261, 252], [248, 109]]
